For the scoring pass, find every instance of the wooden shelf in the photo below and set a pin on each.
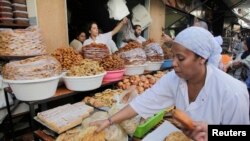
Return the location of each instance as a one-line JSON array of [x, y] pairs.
[[13, 25]]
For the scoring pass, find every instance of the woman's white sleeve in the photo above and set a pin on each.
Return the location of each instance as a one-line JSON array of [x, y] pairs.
[[160, 96]]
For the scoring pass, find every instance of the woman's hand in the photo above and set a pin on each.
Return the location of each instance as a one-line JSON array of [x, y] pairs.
[[100, 124], [236, 64], [199, 133], [125, 20], [165, 37]]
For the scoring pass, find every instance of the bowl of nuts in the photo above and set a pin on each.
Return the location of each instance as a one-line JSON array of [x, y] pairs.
[[85, 76], [83, 83]]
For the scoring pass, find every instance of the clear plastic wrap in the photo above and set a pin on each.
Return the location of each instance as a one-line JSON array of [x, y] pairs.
[[167, 50], [32, 68], [133, 54], [112, 133], [154, 52], [129, 125], [22, 42], [89, 134], [69, 135], [95, 51]]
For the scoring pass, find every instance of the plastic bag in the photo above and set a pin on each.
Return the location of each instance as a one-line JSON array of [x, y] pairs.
[[128, 32], [95, 51], [133, 54], [112, 133], [32, 68], [167, 50], [141, 16], [117, 9], [22, 42], [129, 125], [154, 52]]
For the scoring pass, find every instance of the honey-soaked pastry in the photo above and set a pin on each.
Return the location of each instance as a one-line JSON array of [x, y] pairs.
[[103, 99], [95, 51], [112, 62], [67, 56], [133, 54], [154, 52]]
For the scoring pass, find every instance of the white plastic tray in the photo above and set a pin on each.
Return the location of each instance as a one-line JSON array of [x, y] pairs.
[[160, 133]]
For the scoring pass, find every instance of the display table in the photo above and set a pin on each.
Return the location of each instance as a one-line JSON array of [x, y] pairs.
[[61, 93]]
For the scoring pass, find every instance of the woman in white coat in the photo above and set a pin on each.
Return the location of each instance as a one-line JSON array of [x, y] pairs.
[[203, 91]]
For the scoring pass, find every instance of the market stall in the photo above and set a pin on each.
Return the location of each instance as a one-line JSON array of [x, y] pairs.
[[36, 78]]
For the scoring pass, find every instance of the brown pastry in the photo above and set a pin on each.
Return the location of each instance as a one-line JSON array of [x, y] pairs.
[[177, 136]]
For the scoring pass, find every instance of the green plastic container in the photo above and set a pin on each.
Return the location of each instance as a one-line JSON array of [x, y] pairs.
[[143, 129]]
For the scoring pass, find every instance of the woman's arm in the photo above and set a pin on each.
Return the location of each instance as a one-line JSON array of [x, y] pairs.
[[119, 26], [124, 114]]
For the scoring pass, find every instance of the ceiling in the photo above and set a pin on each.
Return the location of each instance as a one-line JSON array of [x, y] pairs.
[[242, 11]]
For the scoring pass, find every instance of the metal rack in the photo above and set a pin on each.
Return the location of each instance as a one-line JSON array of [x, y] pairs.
[[61, 93]]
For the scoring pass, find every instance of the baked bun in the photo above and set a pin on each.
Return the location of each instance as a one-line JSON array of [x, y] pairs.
[[177, 136]]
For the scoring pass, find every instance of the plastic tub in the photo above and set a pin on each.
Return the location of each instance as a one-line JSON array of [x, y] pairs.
[[31, 90], [167, 64], [83, 83], [114, 75], [153, 66], [134, 69]]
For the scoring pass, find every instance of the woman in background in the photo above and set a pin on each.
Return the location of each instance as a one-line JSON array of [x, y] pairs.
[[77, 43], [105, 38]]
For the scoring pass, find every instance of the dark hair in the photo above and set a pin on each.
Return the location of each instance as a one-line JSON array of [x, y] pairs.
[[246, 53], [90, 25], [135, 26], [78, 33]]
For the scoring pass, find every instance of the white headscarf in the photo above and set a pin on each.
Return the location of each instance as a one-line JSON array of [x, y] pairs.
[[219, 40], [200, 41]]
